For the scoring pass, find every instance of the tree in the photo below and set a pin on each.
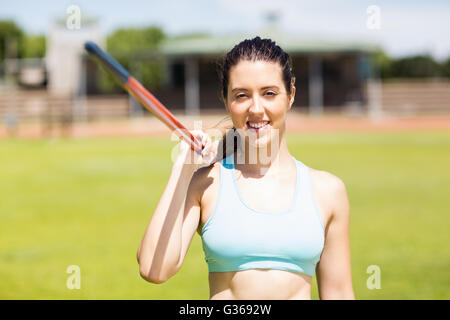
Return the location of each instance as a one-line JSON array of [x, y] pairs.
[[34, 46], [445, 68], [415, 67], [129, 40], [382, 64], [11, 40], [133, 48]]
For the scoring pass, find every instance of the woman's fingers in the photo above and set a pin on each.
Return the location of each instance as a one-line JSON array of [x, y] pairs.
[[206, 156], [209, 153]]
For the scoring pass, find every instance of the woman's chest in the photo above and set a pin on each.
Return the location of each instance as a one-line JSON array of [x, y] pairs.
[[272, 197]]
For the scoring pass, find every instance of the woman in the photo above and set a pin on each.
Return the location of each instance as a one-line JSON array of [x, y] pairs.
[[268, 222]]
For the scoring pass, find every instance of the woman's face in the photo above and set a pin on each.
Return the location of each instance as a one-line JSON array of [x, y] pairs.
[[258, 101]]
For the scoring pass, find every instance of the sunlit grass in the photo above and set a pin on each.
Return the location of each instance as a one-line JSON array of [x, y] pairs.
[[87, 202]]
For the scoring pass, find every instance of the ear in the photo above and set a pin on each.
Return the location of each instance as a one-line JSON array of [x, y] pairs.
[[292, 98]]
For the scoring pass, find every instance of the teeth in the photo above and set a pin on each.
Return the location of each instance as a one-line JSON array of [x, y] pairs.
[[257, 125]]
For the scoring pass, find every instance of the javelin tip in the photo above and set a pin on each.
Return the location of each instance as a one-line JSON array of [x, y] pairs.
[[90, 46]]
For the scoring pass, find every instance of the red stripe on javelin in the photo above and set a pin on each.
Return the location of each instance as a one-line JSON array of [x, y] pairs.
[[160, 111]]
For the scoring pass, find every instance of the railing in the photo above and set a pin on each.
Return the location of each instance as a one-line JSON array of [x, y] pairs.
[[38, 105], [416, 97]]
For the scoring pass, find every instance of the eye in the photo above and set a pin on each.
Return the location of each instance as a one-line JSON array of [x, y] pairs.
[[271, 93], [240, 95]]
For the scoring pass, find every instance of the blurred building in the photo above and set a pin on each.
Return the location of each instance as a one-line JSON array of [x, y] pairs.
[[67, 68], [65, 56], [329, 74], [32, 73]]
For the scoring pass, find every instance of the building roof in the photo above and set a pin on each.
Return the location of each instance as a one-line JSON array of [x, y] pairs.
[[220, 44]]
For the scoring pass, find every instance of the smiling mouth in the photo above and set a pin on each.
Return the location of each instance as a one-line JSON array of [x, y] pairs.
[[258, 126]]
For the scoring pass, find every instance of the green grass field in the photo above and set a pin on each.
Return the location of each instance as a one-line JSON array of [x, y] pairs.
[[87, 202]]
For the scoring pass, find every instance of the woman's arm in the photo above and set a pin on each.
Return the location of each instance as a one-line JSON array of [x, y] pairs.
[[333, 272], [173, 224], [160, 249]]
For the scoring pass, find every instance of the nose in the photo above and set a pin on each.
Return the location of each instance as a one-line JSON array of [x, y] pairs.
[[256, 107]]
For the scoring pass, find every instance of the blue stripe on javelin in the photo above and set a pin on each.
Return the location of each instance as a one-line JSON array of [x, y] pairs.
[[110, 62]]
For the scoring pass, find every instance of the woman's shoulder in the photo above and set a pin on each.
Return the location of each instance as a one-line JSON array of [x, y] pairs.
[[205, 177], [325, 180], [204, 173], [329, 190]]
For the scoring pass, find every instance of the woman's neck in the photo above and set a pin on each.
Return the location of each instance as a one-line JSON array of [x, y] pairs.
[[258, 162]]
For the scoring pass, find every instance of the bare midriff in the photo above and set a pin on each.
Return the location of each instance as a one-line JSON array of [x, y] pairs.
[[259, 284]]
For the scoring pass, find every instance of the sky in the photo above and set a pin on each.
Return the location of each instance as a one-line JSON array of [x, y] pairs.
[[402, 28]]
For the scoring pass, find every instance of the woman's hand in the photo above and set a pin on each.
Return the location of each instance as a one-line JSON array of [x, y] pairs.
[[187, 156]]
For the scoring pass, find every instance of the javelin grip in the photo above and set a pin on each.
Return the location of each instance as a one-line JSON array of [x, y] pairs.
[[148, 100]]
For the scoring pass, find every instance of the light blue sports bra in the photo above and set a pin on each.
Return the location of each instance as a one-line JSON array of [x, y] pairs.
[[238, 237]]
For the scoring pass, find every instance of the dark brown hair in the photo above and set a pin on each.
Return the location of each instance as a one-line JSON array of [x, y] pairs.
[[257, 49]]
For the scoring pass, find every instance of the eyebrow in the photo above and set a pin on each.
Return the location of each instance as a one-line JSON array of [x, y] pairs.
[[263, 88]]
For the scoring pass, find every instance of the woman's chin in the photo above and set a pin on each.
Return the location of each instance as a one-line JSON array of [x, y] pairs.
[[260, 142], [261, 139]]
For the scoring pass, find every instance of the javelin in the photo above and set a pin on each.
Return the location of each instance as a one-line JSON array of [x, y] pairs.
[[147, 99]]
